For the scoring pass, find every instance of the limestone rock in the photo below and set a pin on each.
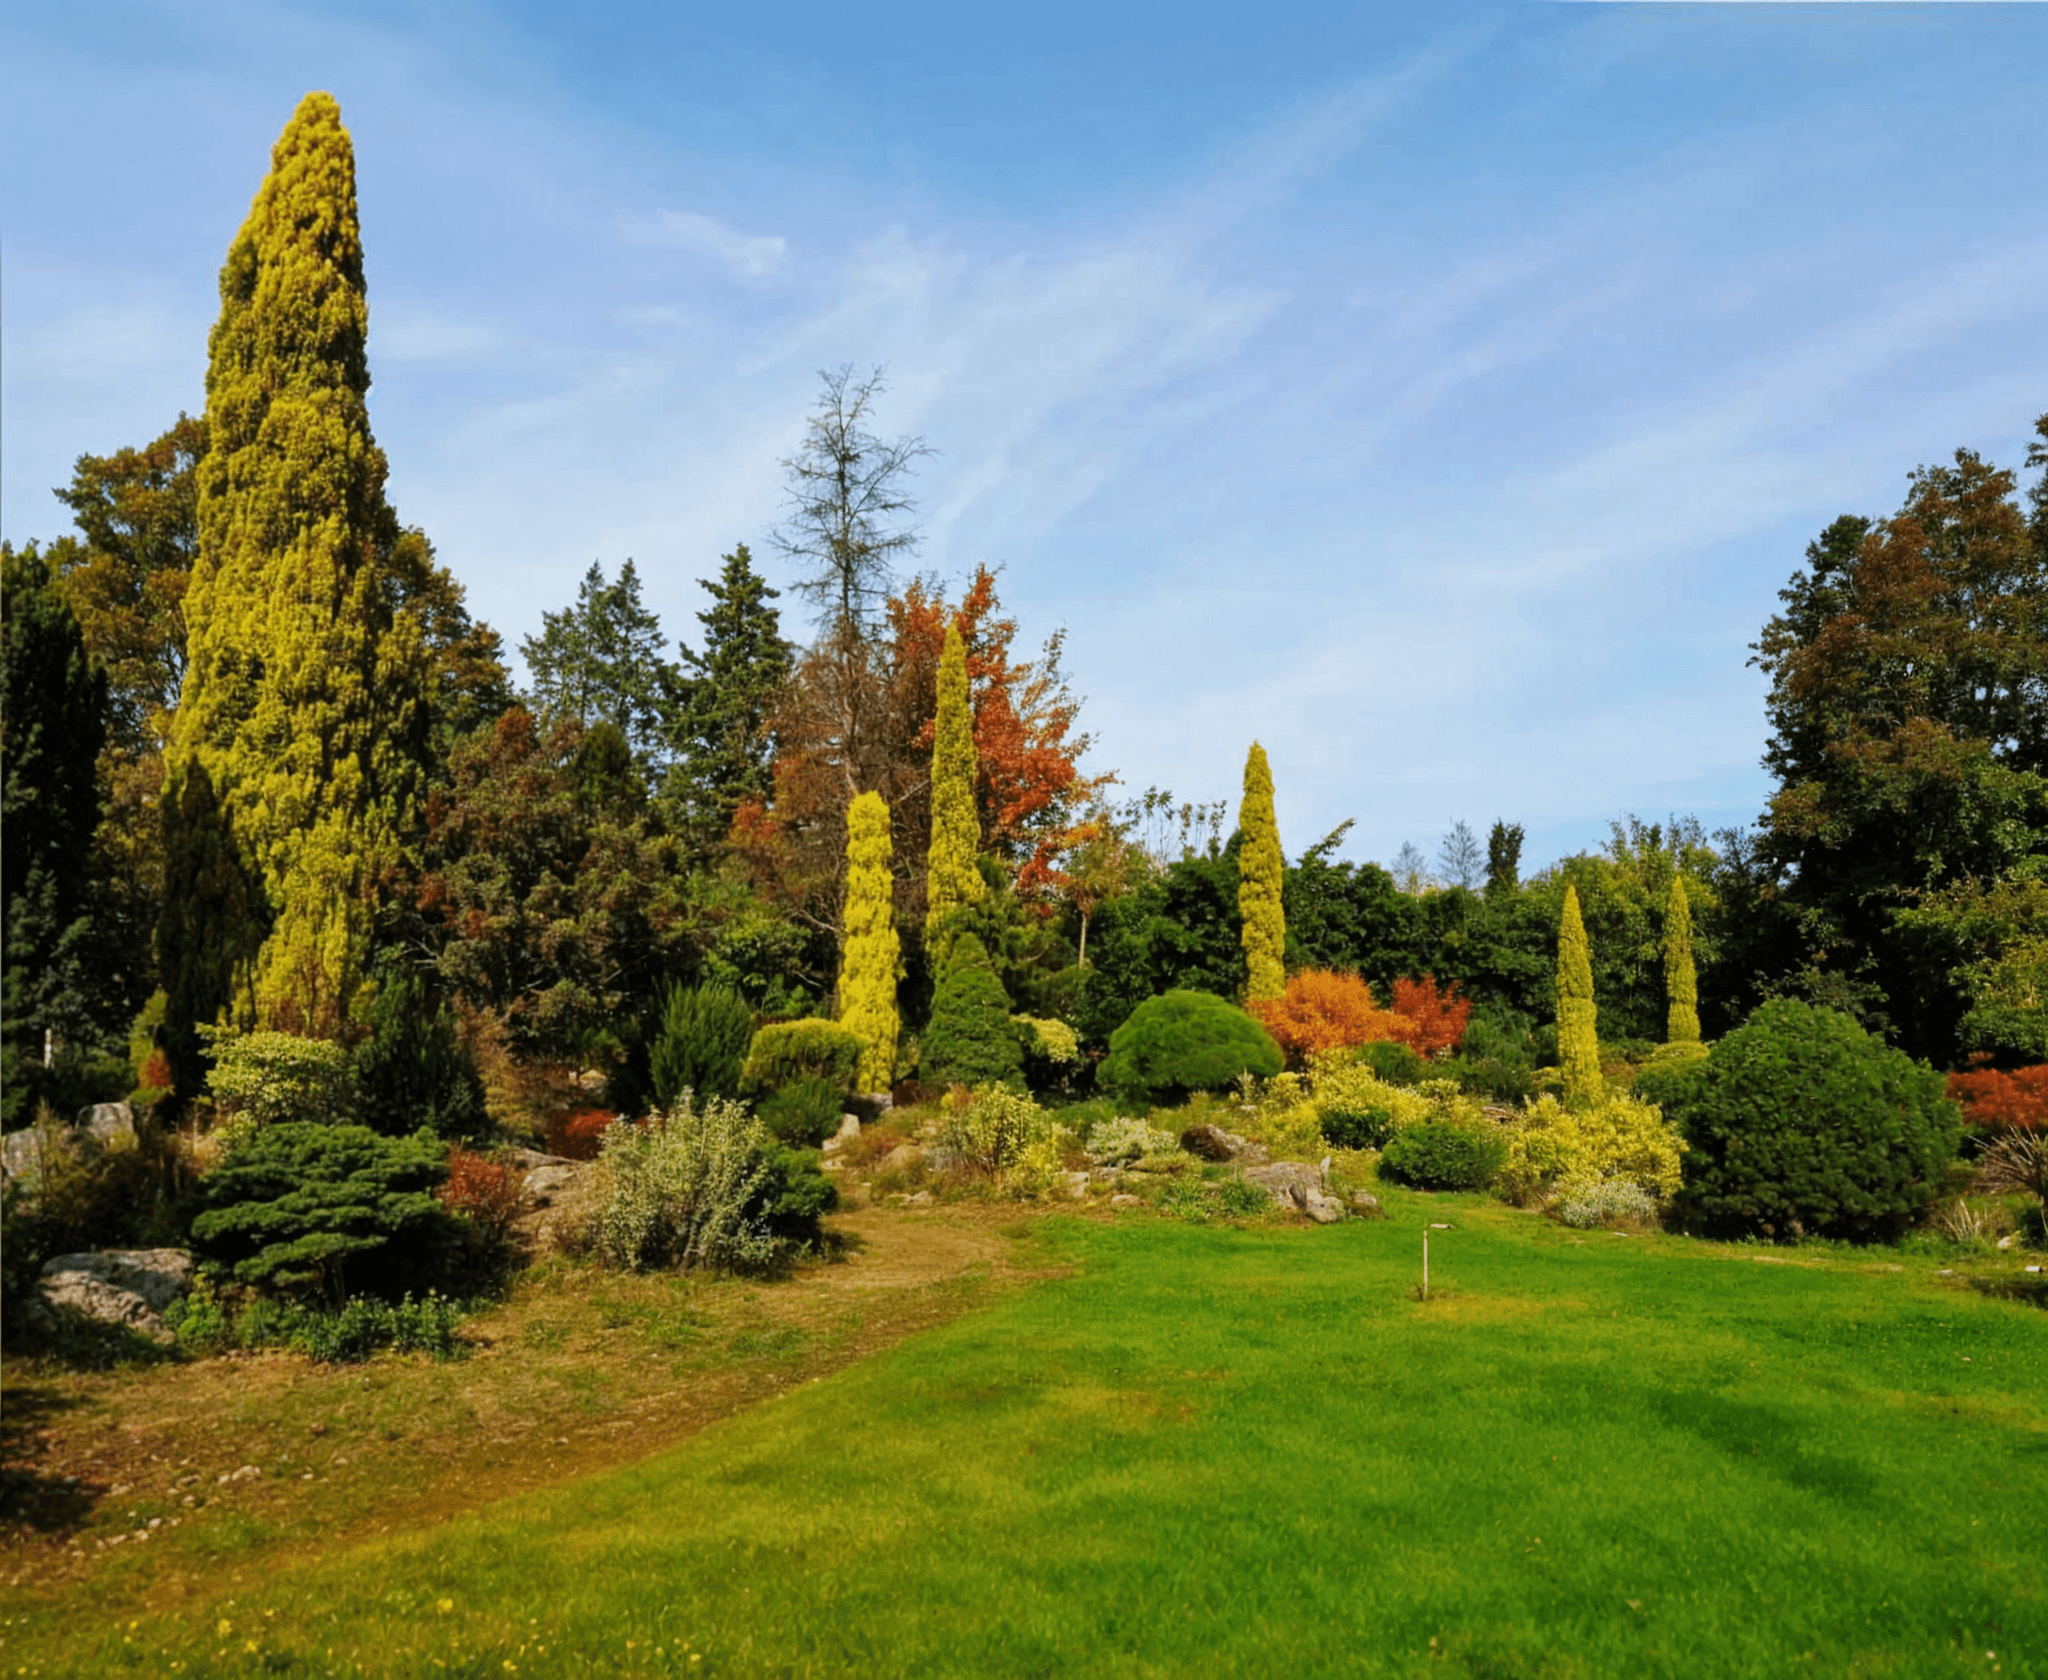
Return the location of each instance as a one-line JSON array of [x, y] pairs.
[[1123, 1199], [130, 1287], [97, 1127], [1365, 1205], [1209, 1143], [1322, 1207], [1287, 1182]]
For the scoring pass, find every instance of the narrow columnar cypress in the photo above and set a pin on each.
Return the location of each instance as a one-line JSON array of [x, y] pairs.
[[1578, 1037], [869, 957], [952, 878], [1681, 982], [1259, 871], [303, 683]]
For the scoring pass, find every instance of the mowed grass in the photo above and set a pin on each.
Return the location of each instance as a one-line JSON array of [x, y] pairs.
[[1253, 1451]]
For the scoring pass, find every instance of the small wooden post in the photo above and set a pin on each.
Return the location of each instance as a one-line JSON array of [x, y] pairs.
[[1425, 1265]]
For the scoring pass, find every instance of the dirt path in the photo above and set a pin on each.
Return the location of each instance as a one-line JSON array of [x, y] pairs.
[[151, 1483]]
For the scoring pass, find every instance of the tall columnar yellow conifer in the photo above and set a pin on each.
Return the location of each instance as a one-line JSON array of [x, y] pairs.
[[1681, 981], [868, 959], [1259, 874], [952, 878], [302, 686], [1578, 1036]]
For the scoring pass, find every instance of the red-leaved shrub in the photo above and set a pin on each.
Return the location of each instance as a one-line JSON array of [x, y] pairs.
[[156, 1072], [1995, 1101], [1436, 1014], [481, 1191], [576, 1136]]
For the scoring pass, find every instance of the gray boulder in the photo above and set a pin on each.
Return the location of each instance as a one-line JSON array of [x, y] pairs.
[[24, 1155], [1297, 1185], [1213, 1143], [129, 1287], [1322, 1208]]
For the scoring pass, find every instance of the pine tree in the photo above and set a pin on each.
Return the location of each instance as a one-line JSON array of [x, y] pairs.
[[1504, 860], [302, 699], [952, 878], [53, 722], [600, 661], [718, 730], [1259, 867], [1578, 1038], [869, 957], [1681, 983]]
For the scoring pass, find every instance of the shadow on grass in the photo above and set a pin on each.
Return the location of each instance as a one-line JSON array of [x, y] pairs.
[[49, 1504]]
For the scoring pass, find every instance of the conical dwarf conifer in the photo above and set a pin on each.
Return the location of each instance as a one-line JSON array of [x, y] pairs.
[[952, 878], [868, 958], [1259, 870], [1578, 1037], [303, 686], [1681, 982]]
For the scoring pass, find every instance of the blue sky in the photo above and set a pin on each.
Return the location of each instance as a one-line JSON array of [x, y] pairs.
[[1438, 394]]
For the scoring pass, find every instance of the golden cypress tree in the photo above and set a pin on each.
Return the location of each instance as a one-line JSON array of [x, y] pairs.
[[302, 685], [952, 877], [869, 956], [1681, 981], [1578, 1037], [1259, 874]]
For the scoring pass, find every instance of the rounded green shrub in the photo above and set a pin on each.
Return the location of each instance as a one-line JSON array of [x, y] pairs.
[[805, 1112], [1800, 1123], [793, 1050], [1397, 1064], [971, 1038], [1356, 1121], [1182, 1042], [701, 1045], [1443, 1155]]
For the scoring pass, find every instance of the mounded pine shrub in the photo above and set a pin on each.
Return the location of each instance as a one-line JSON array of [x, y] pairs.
[[1800, 1123], [309, 1208], [1182, 1042]]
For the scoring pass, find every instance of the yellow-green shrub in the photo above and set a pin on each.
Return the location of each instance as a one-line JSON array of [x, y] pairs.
[[1354, 1108], [1555, 1149]]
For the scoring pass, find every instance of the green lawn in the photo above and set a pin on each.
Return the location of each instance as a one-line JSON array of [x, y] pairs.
[[1211, 1450]]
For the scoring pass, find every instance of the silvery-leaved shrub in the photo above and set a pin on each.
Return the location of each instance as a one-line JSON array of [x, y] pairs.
[[1119, 1142], [1613, 1201], [684, 1189]]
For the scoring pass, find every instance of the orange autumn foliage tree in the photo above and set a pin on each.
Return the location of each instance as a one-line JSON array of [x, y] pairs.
[[1029, 790], [1992, 1100], [1326, 1009], [1333, 1009], [1436, 1014], [1029, 786]]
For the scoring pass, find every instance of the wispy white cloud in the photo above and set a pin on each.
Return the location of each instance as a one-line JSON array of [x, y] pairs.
[[752, 256]]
